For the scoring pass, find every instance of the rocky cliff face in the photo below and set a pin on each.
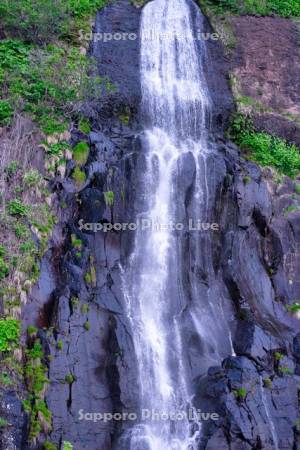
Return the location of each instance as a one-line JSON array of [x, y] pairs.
[[264, 64], [255, 262]]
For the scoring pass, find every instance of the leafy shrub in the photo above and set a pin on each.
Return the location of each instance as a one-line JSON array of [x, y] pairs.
[[76, 243], [46, 83], [82, 8], [31, 330], [67, 445], [109, 198], [49, 446], [3, 422], [14, 54], [5, 379], [294, 308], [278, 356], [84, 126], [21, 231], [240, 393], [6, 112], [78, 176], [9, 334], [286, 370], [32, 178], [36, 21], [11, 169], [246, 180], [267, 383], [69, 378], [80, 153], [16, 208], [84, 308], [43, 21], [286, 8], [266, 149], [4, 269]]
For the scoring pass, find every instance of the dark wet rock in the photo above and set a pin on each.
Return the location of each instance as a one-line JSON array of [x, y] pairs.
[[92, 205], [118, 59], [13, 430], [83, 355], [252, 411], [251, 340]]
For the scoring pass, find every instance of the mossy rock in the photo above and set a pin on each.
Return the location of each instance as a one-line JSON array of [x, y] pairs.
[[79, 177], [81, 153]]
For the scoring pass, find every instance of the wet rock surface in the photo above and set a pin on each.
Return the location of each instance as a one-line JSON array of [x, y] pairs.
[[13, 429]]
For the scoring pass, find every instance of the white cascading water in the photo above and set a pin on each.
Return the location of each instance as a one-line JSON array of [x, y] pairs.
[[175, 104]]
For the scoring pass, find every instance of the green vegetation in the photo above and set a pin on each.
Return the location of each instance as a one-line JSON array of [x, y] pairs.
[[286, 370], [69, 378], [67, 445], [37, 381], [21, 230], [32, 178], [32, 331], [4, 269], [11, 169], [91, 276], [278, 356], [265, 149], [76, 243], [88, 278], [84, 308], [47, 83], [78, 176], [81, 153], [125, 118], [297, 188], [286, 8], [294, 308], [45, 78], [3, 422], [267, 383], [109, 198], [5, 379], [6, 112], [59, 344], [49, 446], [84, 126], [16, 208], [41, 21], [240, 393], [74, 302], [290, 209], [9, 334], [246, 180], [87, 326]]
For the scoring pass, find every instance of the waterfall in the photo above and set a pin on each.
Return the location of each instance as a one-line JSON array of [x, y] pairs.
[[268, 415], [176, 110]]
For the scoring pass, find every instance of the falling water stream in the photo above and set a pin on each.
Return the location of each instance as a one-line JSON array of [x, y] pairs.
[[176, 110]]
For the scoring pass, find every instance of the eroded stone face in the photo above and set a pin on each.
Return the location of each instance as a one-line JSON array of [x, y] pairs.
[[265, 65]]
